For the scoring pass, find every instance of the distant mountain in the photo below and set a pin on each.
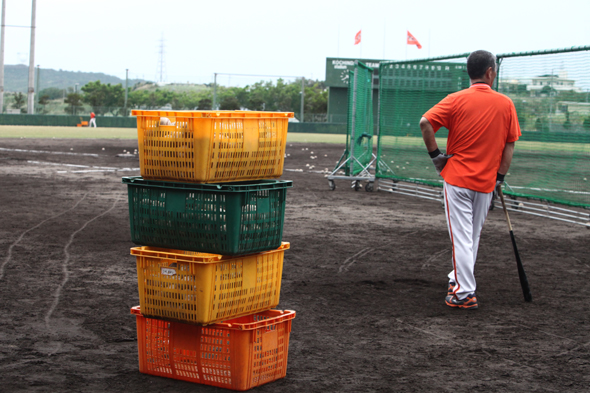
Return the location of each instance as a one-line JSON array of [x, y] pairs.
[[16, 78]]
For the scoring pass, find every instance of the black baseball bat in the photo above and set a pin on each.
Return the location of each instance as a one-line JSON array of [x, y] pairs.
[[524, 282]]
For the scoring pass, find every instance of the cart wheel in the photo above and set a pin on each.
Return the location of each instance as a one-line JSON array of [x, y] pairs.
[[332, 185], [369, 187], [357, 185]]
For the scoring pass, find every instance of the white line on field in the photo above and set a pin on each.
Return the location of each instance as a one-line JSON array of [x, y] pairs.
[[102, 170], [97, 168], [50, 152], [66, 273], [7, 259], [72, 165]]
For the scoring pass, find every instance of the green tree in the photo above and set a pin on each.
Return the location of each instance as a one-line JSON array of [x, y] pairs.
[[44, 100], [74, 100], [52, 92], [541, 124], [104, 98], [586, 124], [205, 104], [19, 100], [229, 103], [567, 124], [548, 90]]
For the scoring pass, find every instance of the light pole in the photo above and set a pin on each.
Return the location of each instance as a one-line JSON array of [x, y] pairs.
[[2, 28], [214, 92], [37, 83], [126, 84], [302, 96], [76, 92], [31, 103]]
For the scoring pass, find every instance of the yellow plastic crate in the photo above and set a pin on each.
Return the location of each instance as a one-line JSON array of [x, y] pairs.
[[211, 146], [200, 288]]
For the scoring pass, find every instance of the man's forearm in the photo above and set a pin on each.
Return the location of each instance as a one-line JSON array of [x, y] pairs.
[[428, 135], [506, 158]]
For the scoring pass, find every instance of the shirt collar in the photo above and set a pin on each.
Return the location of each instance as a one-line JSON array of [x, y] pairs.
[[483, 85]]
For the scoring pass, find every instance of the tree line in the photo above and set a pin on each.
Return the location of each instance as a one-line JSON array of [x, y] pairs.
[[263, 95]]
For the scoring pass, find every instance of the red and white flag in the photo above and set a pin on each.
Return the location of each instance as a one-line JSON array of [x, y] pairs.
[[357, 38], [411, 40]]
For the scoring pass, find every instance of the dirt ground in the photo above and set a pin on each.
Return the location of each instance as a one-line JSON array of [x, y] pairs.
[[366, 273]]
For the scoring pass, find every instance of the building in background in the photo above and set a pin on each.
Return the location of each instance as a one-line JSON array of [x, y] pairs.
[[337, 70]]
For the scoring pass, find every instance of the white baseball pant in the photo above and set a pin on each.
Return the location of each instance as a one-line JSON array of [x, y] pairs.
[[466, 211], [92, 123]]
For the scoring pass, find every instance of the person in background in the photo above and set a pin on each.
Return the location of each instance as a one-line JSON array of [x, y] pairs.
[[92, 122]]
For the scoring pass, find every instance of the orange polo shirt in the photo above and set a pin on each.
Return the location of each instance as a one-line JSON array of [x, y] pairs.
[[480, 122]]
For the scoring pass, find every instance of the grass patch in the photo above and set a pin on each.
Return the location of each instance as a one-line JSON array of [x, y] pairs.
[[316, 138]]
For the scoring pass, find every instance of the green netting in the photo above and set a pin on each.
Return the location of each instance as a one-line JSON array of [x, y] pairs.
[[551, 92], [406, 91], [359, 129]]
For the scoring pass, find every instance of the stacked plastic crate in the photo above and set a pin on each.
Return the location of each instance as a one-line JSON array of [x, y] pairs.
[[209, 220]]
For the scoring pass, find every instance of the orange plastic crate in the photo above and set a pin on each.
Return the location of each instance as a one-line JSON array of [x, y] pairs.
[[211, 146], [239, 354], [200, 288]]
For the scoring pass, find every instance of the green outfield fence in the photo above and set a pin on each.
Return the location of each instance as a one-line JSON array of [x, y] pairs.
[[65, 121], [551, 93], [131, 122]]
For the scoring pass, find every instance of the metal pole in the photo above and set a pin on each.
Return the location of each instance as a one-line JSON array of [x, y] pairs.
[[31, 103], [352, 135], [76, 92], [37, 86], [126, 84], [214, 106], [302, 96], [2, 56]]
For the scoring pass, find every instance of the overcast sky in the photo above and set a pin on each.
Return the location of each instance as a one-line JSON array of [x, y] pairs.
[[276, 37]]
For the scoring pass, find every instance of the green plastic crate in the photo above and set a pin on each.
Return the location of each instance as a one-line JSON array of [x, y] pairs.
[[228, 218]]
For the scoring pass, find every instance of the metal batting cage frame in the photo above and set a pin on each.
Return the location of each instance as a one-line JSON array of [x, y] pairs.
[[357, 158], [550, 171]]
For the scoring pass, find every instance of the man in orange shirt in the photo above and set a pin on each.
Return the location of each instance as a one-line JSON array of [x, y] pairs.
[[92, 120], [483, 127]]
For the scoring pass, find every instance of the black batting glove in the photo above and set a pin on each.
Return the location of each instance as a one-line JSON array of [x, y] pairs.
[[439, 160], [499, 182]]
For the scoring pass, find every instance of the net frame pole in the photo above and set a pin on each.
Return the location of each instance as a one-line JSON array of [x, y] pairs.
[[354, 92]]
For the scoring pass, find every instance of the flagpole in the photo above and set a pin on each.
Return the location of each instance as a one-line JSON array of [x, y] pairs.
[[406, 44]]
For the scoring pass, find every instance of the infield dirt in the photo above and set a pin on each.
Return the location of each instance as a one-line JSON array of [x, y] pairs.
[[366, 273]]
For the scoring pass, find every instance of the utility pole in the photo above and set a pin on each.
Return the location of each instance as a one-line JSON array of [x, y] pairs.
[[75, 91], [160, 72], [126, 84], [37, 82], [31, 103], [214, 106], [2, 56], [302, 96]]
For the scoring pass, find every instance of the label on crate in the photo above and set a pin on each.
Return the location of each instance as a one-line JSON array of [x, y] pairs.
[[166, 271]]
